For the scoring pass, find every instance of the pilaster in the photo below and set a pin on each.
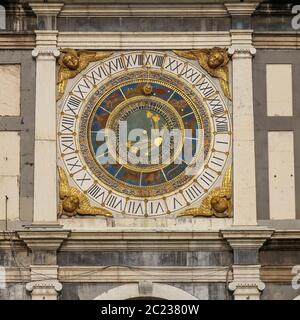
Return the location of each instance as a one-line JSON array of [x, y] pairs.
[[244, 185], [44, 283], [45, 175], [246, 242]]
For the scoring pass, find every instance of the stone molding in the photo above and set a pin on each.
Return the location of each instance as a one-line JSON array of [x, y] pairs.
[[145, 10], [145, 240], [103, 274], [43, 239], [143, 40], [247, 238], [46, 9], [268, 274], [241, 9], [261, 40]]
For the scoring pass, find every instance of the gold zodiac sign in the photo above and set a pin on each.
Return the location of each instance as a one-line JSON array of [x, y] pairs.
[[214, 61], [74, 202], [71, 62], [217, 203]]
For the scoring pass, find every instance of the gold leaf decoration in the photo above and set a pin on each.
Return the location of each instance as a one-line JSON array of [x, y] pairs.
[[214, 61], [217, 203], [71, 62], [74, 202]]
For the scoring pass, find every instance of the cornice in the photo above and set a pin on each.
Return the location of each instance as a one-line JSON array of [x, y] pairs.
[[46, 9], [241, 9], [145, 10], [11, 40], [247, 238], [43, 239], [144, 240]]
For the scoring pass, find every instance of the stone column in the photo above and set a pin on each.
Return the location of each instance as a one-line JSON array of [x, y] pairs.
[[45, 173], [246, 284], [242, 51], [44, 283]]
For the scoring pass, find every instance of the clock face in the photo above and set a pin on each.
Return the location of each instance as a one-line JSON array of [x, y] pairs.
[[144, 133]]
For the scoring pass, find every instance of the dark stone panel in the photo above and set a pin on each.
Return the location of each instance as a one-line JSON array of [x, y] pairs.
[[242, 256], [241, 22], [221, 258], [14, 291], [279, 292], [143, 24], [280, 256], [219, 291], [44, 257], [272, 22], [130, 258], [8, 258]]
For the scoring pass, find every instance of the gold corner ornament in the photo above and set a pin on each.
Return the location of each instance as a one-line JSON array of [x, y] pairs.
[[75, 202], [217, 203], [214, 61], [72, 62]]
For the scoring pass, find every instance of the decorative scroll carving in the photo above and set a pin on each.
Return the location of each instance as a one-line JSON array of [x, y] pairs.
[[217, 203], [74, 202], [71, 62], [214, 61]]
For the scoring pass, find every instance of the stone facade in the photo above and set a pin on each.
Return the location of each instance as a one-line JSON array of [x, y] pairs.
[[250, 256]]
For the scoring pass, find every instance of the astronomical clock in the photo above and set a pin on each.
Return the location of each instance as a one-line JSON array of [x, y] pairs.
[[144, 133]]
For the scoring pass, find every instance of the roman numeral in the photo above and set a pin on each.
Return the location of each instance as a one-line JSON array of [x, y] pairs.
[[205, 88], [97, 75], [222, 124], [72, 105], [216, 105], [73, 163], [97, 192], [174, 65], [193, 192], [154, 60], [155, 208], [67, 124], [207, 178], [135, 207], [191, 74], [133, 60], [115, 65], [83, 179], [81, 88], [217, 161], [114, 202], [175, 203], [67, 144]]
